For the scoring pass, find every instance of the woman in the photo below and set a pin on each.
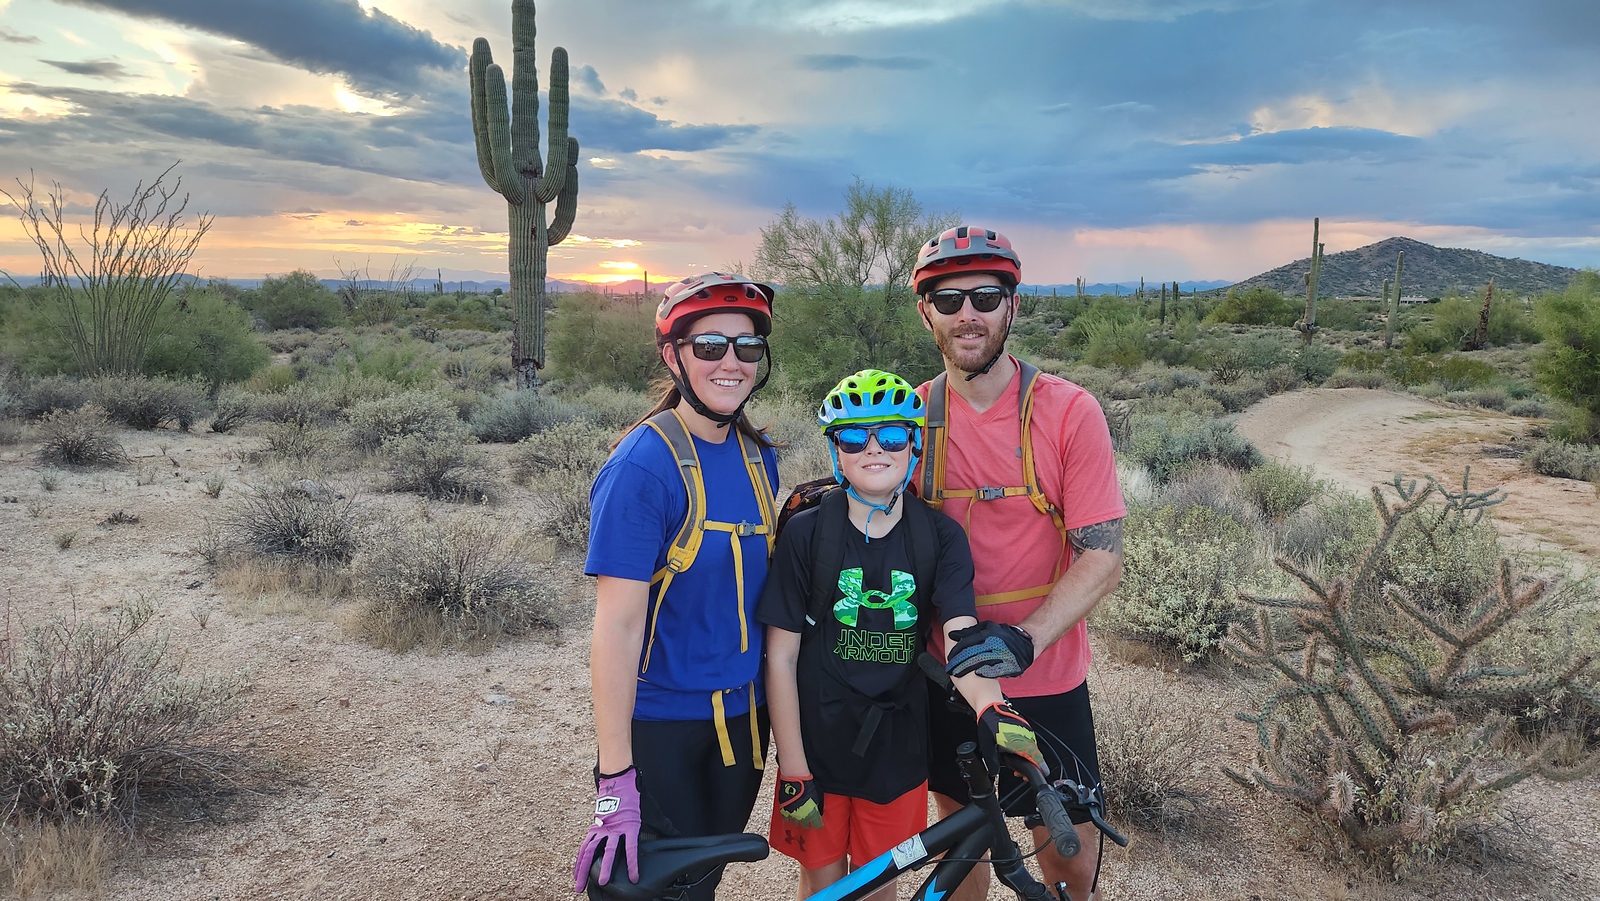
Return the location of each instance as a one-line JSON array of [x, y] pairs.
[[682, 525]]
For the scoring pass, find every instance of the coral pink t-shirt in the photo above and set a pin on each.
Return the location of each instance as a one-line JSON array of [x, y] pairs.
[[1014, 546]]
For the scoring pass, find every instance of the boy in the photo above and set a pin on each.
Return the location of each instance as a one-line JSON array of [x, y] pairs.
[[855, 586]]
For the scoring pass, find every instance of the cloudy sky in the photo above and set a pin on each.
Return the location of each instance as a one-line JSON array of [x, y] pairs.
[[1112, 139]]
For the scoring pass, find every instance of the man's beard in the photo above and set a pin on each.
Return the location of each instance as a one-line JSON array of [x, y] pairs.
[[970, 361]]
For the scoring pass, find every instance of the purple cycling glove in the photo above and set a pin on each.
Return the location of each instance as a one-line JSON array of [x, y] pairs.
[[616, 822]]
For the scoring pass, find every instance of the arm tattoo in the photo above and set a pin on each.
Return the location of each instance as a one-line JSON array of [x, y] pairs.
[[1102, 536]]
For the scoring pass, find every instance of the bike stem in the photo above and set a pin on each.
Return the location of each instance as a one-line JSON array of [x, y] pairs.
[[1004, 855]]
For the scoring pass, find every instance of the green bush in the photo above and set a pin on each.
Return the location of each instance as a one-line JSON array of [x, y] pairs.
[[595, 340], [514, 415], [421, 413], [1256, 306], [1278, 489], [1115, 342], [453, 580], [1315, 363], [81, 437], [560, 464], [616, 408], [101, 720], [230, 409], [204, 335], [1329, 534], [1568, 362], [1455, 324], [1165, 444], [296, 300], [1182, 571]]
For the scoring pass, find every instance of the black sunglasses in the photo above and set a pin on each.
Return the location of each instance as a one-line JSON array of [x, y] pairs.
[[852, 439], [748, 348], [985, 299]]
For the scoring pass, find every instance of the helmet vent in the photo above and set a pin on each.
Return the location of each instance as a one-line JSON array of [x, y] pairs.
[[961, 232]]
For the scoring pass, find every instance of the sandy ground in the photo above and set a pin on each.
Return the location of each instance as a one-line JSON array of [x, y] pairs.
[[404, 781]]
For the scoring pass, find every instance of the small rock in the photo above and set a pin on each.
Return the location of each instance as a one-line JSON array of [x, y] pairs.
[[499, 700], [344, 702], [482, 768]]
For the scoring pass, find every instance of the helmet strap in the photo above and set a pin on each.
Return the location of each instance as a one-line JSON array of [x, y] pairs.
[[723, 420], [997, 354]]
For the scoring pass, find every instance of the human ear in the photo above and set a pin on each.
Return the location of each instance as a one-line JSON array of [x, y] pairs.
[[670, 358]]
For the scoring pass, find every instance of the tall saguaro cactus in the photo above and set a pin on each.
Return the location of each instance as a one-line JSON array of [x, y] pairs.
[[507, 136], [1308, 323], [1394, 311]]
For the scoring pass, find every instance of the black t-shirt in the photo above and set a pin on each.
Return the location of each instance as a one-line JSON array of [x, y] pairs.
[[862, 652]]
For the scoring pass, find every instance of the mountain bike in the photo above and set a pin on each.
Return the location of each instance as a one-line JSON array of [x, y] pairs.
[[668, 867]]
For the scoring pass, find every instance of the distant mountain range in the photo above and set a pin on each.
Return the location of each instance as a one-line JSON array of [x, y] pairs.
[[1429, 272]]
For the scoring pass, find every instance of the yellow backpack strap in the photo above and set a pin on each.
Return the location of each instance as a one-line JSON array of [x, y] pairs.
[[766, 495], [686, 546], [1030, 376], [934, 430]]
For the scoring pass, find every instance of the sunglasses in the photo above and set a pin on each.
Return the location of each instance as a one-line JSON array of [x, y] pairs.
[[748, 348], [985, 299], [852, 439]]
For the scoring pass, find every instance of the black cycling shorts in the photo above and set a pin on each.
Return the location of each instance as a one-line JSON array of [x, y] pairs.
[[1065, 730]]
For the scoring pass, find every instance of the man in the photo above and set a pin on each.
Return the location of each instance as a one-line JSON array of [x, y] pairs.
[[1045, 553]]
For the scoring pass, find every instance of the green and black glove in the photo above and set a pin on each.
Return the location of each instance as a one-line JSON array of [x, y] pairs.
[[1011, 732], [799, 802]]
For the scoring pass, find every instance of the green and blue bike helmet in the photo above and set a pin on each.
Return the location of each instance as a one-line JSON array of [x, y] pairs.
[[867, 399]]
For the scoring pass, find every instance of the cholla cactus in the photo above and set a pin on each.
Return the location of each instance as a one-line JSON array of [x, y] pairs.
[[507, 136], [1398, 754]]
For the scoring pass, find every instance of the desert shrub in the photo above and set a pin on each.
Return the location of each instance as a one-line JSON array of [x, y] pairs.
[[612, 408], [1279, 489], [514, 415], [1562, 459], [421, 413], [791, 421], [1568, 362], [296, 300], [1315, 363], [1256, 306], [478, 369], [399, 359], [1280, 378], [456, 579], [1460, 373], [299, 404], [1183, 400], [295, 442], [560, 465], [142, 402], [1213, 486], [1115, 342], [36, 397], [1455, 324], [79, 438], [302, 522], [1528, 408], [229, 411], [1356, 378], [1329, 534], [101, 720], [1153, 750], [439, 467], [1491, 398], [1182, 570], [204, 335], [1237, 395], [1164, 444], [1382, 721]]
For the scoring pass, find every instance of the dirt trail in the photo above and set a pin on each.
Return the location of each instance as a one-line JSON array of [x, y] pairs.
[[1358, 437]]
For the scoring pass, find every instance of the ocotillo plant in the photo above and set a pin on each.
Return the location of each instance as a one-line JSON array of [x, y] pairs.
[[1376, 723], [1394, 311], [507, 136], [1308, 323]]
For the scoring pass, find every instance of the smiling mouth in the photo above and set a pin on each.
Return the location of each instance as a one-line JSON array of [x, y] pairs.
[[727, 383]]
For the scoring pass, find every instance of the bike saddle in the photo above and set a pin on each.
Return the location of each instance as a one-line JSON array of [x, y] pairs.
[[665, 861]]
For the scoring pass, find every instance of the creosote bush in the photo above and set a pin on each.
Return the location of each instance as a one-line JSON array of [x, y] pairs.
[[141, 402], [1383, 724], [1280, 489], [100, 719], [514, 415], [446, 580], [420, 413], [1563, 460], [81, 437]]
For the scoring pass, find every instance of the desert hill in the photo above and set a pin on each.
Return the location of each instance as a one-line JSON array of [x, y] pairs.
[[1429, 271]]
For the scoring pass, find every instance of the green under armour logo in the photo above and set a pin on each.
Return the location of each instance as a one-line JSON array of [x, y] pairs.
[[902, 586]]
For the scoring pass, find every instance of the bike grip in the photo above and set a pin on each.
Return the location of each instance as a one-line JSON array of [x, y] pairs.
[[1056, 820], [933, 669]]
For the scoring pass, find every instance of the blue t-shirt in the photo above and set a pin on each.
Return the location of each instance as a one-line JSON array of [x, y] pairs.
[[638, 503]]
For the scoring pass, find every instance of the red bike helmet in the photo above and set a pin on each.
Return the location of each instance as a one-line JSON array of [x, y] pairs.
[[714, 292], [963, 250]]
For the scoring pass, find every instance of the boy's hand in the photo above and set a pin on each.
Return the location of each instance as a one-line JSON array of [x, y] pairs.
[[990, 649], [616, 822], [799, 802], [1011, 732]]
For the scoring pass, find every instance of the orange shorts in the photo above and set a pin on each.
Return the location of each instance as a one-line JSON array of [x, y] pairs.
[[861, 829]]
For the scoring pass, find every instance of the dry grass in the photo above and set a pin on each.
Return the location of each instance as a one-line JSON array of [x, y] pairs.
[[38, 859], [79, 438], [1154, 744], [261, 588]]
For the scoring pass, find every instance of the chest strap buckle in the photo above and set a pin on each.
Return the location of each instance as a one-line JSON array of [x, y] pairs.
[[990, 494]]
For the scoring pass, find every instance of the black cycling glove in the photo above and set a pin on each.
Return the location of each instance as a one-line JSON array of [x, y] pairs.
[[990, 649]]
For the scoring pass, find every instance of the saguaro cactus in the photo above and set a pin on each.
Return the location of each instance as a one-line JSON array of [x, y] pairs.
[[1394, 311], [1308, 323], [507, 136]]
